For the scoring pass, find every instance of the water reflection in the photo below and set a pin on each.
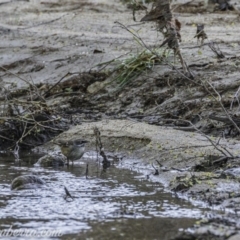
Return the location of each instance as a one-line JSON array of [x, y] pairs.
[[115, 200]]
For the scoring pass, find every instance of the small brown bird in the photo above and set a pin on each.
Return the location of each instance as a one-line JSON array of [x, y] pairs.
[[200, 33], [72, 149]]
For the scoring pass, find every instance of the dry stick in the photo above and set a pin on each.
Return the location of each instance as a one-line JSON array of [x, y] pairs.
[[25, 131], [86, 173], [31, 121], [177, 52], [109, 62], [95, 130], [219, 139], [10, 27], [24, 134], [156, 170], [235, 97], [12, 140], [208, 138], [8, 101], [41, 122], [219, 160], [156, 54], [133, 121], [27, 121], [16, 152], [32, 93], [100, 146], [67, 193], [48, 127], [3, 137], [223, 108], [31, 85], [47, 92], [185, 147], [218, 52]]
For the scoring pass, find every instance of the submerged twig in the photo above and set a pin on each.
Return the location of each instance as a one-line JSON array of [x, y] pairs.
[[156, 170], [16, 152], [67, 193], [215, 48], [86, 173]]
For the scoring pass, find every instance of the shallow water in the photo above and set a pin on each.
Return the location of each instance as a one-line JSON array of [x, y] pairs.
[[112, 204]]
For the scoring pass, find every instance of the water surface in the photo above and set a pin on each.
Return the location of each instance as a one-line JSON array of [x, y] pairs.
[[112, 204]]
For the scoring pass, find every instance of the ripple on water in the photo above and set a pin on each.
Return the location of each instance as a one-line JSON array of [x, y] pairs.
[[102, 197]]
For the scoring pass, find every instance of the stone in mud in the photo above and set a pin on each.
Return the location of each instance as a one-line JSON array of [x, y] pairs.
[[51, 160], [233, 172], [26, 182]]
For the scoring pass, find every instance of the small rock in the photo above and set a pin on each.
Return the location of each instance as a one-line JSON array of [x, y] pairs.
[[234, 172], [51, 160], [26, 182]]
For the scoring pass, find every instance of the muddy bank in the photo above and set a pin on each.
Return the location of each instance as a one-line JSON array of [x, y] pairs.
[[68, 49], [174, 149], [187, 164]]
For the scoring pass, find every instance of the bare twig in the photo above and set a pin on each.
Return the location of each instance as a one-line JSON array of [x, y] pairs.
[[216, 50], [219, 100], [143, 44], [237, 99], [215, 145], [156, 170], [16, 152], [100, 149], [86, 173], [24, 80], [49, 90]]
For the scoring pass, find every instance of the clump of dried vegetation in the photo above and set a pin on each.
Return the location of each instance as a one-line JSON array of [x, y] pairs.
[[135, 65], [28, 123]]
